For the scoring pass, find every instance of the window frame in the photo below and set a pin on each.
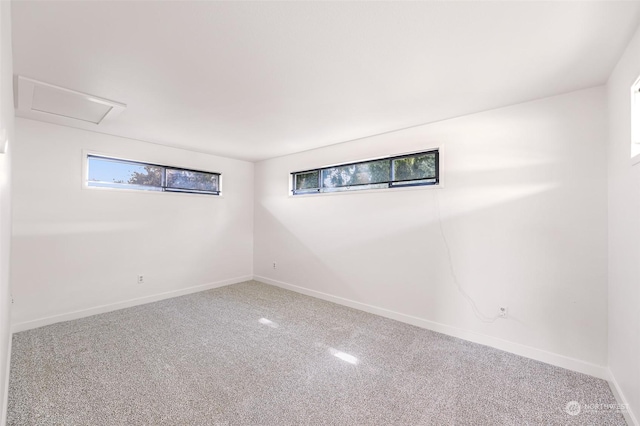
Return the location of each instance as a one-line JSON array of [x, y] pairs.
[[156, 190], [391, 184], [635, 122]]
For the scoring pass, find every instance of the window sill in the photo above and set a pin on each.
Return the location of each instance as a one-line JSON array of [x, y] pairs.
[[635, 160], [369, 191], [142, 191]]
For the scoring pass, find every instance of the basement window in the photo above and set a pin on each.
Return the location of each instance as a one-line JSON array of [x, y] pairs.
[[106, 172], [635, 122], [416, 169]]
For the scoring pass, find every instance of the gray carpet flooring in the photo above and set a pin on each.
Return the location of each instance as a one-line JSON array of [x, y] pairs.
[[253, 354]]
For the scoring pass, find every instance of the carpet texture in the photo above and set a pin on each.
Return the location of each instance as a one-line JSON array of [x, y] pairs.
[[253, 354]]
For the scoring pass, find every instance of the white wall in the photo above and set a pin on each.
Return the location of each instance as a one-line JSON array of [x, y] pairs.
[[6, 125], [624, 232], [524, 210], [77, 249]]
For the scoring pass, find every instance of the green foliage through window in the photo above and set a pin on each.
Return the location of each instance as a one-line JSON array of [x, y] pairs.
[[307, 180], [405, 170]]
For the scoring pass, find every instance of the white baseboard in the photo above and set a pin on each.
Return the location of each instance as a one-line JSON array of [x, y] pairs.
[[505, 345], [569, 363], [617, 392], [28, 325]]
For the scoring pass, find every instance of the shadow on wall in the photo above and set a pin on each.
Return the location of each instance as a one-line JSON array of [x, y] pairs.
[[518, 244], [296, 262], [62, 265]]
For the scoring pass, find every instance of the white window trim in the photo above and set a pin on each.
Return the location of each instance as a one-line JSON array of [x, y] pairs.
[[440, 185], [84, 181], [635, 123]]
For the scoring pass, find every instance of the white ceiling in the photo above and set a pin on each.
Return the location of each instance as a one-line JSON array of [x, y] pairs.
[[258, 80]]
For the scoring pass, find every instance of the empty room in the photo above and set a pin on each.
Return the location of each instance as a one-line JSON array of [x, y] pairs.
[[319, 213]]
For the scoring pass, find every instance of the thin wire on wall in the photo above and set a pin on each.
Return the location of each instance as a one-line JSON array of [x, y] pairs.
[[468, 298]]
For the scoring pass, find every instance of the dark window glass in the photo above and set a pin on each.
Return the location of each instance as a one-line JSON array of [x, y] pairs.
[[307, 182], [191, 180], [413, 168]]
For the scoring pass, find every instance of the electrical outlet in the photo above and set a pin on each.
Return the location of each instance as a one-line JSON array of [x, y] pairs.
[[504, 312], [274, 265], [140, 279]]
